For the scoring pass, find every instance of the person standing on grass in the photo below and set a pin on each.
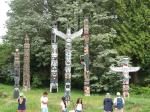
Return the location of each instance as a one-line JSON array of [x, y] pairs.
[[21, 103], [108, 103], [63, 105], [79, 105], [44, 102], [119, 103]]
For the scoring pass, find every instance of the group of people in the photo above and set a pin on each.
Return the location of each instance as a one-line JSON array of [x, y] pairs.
[[44, 104], [78, 106], [117, 104], [108, 103]]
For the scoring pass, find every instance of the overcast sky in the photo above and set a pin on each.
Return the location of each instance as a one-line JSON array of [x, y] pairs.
[[3, 17]]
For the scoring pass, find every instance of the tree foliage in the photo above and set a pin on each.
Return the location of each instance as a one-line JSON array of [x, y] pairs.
[[5, 62], [132, 28]]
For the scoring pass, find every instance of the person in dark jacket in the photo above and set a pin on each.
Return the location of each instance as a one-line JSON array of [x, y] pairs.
[[108, 103]]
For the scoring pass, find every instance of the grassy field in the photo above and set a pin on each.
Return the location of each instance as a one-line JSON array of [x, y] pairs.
[[91, 104]]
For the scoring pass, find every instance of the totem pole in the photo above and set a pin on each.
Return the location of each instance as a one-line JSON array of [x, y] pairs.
[[54, 57], [54, 64], [68, 37], [86, 59], [26, 66], [16, 73], [125, 69]]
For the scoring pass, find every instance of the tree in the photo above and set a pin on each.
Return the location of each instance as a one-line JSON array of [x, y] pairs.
[[6, 70], [133, 32]]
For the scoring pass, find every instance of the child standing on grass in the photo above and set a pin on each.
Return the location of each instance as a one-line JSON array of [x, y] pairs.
[[79, 105], [63, 105], [21, 103], [44, 102]]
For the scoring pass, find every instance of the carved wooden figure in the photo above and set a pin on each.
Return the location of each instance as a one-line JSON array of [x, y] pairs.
[[16, 73], [54, 64], [26, 66], [86, 59], [125, 69], [68, 37]]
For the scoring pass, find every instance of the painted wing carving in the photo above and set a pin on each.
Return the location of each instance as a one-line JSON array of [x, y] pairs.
[[77, 34], [133, 69], [124, 69], [116, 69], [59, 33]]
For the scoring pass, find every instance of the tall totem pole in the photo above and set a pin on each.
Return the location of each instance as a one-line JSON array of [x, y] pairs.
[[54, 56], [16, 73], [86, 59], [26, 66], [54, 63], [125, 69], [68, 37]]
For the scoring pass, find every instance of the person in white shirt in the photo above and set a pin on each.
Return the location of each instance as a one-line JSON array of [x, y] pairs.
[[44, 102], [79, 105], [63, 105], [119, 103]]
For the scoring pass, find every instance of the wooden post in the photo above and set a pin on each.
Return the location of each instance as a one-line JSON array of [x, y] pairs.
[[86, 58], [16, 73], [125, 69], [68, 37], [54, 64], [26, 66]]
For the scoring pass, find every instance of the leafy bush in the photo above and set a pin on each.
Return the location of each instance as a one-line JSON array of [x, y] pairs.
[[36, 81], [147, 81], [137, 90]]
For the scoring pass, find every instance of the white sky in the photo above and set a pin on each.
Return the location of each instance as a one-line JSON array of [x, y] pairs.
[[3, 17]]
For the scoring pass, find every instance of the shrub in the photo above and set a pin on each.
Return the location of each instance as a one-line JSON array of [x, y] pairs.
[[138, 90], [36, 81], [3, 94]]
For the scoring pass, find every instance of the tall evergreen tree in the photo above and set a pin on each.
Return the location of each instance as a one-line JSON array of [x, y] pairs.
[[132, 28]]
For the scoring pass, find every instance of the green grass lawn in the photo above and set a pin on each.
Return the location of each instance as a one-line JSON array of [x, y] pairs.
[[91, 104]]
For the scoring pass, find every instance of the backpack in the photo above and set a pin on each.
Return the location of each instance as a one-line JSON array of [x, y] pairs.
[[119, 103], [108, 104]]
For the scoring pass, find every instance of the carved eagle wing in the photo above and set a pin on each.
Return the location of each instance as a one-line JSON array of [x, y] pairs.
[[76, 34], [59, 33]]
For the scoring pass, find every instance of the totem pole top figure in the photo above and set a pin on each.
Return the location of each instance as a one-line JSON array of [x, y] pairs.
[[125, 68], [26, 39], [68, 36]]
